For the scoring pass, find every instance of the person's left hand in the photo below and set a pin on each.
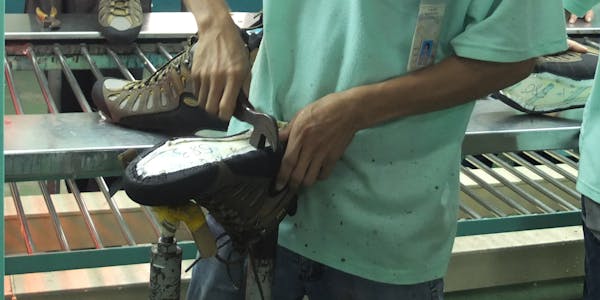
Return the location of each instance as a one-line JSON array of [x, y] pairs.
[[317, 137]]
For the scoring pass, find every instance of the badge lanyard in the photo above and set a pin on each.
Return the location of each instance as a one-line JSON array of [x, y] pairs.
[[427, 33]]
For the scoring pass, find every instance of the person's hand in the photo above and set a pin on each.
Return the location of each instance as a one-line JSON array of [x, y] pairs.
[[316, 139], [588, 17], [577, 47], [220, 66]]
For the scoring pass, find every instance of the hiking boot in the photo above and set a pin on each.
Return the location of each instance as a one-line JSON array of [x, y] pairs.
[[180, 169], [120, 20], [559, 82], [165, 102], [226, 175]]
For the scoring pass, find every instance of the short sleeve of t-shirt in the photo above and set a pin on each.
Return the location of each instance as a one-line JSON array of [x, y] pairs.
[[502, 31], [579, 7]]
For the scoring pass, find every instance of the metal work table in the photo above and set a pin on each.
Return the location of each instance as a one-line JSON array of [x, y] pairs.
[[67, 145], [494, 127], [157, 25], [80, 145]]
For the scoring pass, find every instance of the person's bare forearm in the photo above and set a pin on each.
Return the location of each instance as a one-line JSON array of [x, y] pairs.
[[319, 134], [208, 12], [452, 82], [220, 62]]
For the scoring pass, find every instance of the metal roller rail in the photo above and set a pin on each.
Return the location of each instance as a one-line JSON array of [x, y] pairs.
[[93, 67], [163, 51], [147, 63], [521, 192], [43, 82], [493, 191], [46, 94], [85, 107], [51, 104], [562, 159], [130, 76], [25, 231], [11, 88], [120, 64], [485, 203], [519, 160], [530, 182], [541, 160], [529, 191], [469, 211]]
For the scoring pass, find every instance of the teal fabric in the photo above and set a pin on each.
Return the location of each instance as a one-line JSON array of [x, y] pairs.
[[579, 7], [388, 212], [588, 182]]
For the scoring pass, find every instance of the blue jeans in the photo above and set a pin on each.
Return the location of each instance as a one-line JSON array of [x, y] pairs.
[[297, 276], [590, 211]]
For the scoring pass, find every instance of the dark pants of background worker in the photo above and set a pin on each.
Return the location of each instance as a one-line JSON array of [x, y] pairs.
[[590, 211]]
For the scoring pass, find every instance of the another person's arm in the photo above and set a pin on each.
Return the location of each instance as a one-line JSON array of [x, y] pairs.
[[588, 16], [579, 8], [221, 62]]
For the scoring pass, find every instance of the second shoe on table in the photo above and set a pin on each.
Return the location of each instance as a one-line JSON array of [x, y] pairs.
[[559, 82], [120, 20]]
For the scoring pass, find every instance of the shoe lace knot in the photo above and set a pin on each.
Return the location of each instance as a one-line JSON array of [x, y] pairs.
[[119, 8]]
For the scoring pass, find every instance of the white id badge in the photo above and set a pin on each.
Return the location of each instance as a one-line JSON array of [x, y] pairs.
[[427, 33]]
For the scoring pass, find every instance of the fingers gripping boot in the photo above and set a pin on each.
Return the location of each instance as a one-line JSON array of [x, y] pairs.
[[164, 102]]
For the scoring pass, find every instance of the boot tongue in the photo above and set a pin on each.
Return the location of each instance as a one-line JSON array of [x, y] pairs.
[[121, 23]]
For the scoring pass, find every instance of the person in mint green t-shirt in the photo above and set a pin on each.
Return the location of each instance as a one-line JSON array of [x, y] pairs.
[[378, 95], [588, 181]]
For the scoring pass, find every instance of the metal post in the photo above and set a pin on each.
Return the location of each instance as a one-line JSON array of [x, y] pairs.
[[165, 270]]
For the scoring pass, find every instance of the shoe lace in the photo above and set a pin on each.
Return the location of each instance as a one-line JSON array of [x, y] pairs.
[[228, 262], [119, 8], [174, 64]]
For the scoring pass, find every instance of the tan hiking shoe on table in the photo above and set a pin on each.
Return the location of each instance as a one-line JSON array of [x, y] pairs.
[[120, 20], [164, 102]]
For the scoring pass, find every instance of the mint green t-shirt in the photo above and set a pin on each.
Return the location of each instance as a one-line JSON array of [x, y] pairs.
[[388, 211], [588, 181]]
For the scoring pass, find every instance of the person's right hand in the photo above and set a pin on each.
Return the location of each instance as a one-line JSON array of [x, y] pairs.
[[220, 66], [587, 17], [577, 47]]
